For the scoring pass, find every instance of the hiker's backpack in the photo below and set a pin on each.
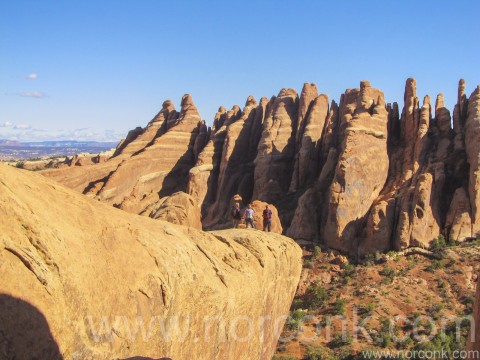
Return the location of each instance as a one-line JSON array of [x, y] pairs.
[[267, 214]]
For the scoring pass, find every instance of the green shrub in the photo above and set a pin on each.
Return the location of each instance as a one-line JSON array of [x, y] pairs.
[[369, 307], [435, 310], [317, 295], [411, 262], [405, 344], [385, 336], [435, 265], [283, 357], [317, 251], [308, 264], [379, 257], [339, 306], [439, 244], [340, 339], [369, 260], [388, 273], [446, 341], [294, 320], [348, 269], [316, 352]]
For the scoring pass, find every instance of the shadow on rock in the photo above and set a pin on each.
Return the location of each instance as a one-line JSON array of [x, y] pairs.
[[24, 332]]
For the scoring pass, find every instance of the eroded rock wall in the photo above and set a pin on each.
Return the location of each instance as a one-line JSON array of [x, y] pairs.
[[362, 176]]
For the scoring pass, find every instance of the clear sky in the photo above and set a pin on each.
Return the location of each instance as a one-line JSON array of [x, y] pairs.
[[93, 69]]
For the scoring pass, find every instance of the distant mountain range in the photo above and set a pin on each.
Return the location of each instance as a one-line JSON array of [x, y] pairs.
[[16, 150], [61, 143]]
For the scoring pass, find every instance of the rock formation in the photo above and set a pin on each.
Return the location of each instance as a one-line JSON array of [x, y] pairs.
[[258, 207], [358, 180], [361, 176], [472, 146], [275, 156], [179, 208], [225, 165], [82, 280]]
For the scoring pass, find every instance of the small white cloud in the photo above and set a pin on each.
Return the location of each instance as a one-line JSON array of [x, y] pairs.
[[6, 124], [32, 76], [33, 94], [22, 126]]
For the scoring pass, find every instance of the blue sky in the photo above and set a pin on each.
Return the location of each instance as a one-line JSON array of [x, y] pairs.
[[95, 69]]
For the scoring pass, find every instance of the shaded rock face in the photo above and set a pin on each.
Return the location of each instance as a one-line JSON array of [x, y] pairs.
[[472, 146], [225, 166], [359, 176], [108, 274], [275, 156]]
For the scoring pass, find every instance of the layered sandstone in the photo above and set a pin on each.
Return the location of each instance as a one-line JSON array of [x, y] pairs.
[[84, 280], [361, 176], [273, 163]]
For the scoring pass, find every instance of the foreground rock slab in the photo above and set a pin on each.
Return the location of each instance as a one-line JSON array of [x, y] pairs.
[[83, 280]]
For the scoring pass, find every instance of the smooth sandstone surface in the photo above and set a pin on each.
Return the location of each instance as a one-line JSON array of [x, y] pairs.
[[79, 278]]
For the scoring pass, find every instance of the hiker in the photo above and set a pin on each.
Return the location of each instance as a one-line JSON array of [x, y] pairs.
[[249, 214], [236, 215], [267, 219]]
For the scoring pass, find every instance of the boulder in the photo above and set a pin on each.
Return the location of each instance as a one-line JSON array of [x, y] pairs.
[[179, 208], [258, 206]]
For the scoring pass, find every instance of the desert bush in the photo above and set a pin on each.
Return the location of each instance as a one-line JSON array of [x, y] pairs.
[[308, 264], [340, 339], [316, 352], [294, 320], [439, 244], [283, 357], [348, 269], [388, 273], [368, 260], [339, 306], [435, 265], [384, 338], [369, 307], [317, 295]]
